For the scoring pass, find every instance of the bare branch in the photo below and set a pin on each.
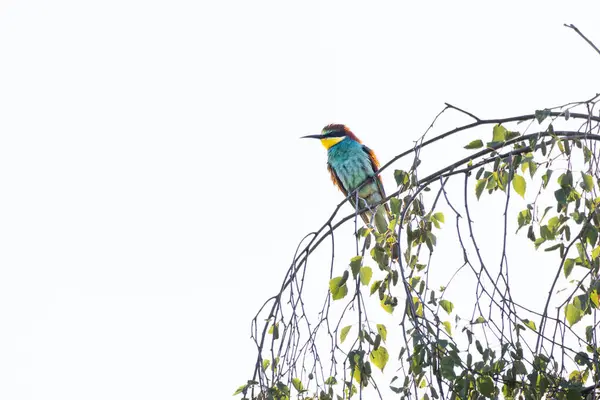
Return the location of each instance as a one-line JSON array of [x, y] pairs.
[[462, 111], [583, 36]]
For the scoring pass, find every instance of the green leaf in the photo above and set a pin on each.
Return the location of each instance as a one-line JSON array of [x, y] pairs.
[[385, 304], [595, 253], [395, 205], [284, 390], [380, 220], [545, 212], [573, 314], [485, 386], [374, 287], [479, 346], [380, 256], [530, 324], [518, 183], [475, 144], [524, 218], [546, 178], [363, 232], [582, 358], [567, 146], [382, 330], [355, 263], [512, 135], [356, 374], [479, 186], [502, 180], [588, 182], [543, 148], [595, 298], [531, 234], [480, 171], [538, 242], [241, 389], [447, 327], [430, 241], [532, 168], [589, 334], [561, 196], [365, 275], [546, 233], [274, 330], [591, 235], [447, 306], [331, 381], [587, 154], [541, 115], [297, 384], [402, 178], [568, 266], [338, 289], [265, 364], [447, 367], [519, 367], [380, 357], [566, 180], [553, 224], [344, 333], [556, 246], [499, 133], [574, 392], [439, 216]]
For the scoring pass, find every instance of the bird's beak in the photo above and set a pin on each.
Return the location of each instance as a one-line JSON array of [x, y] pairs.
[[313, 137]]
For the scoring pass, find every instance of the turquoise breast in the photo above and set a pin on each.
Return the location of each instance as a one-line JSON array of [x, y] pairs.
[[352, 166]]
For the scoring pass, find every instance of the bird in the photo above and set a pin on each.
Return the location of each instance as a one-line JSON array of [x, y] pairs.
[[350, 164]]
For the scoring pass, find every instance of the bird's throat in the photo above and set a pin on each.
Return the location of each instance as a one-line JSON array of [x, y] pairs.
[[329, 142]]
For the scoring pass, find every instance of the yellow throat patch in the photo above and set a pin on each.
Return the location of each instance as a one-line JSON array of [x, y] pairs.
[[328, 142]]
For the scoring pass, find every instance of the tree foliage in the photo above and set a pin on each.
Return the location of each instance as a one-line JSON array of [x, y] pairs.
[[436, 347]]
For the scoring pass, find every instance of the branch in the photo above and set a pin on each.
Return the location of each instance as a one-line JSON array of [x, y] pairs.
[[290, 332], [462, 111], [583, 36], [480, 122]]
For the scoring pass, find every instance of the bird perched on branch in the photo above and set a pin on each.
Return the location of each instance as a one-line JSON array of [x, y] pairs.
[[350, 164]]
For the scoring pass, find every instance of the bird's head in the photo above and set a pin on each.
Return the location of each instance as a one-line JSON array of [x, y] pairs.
[[334, 134]]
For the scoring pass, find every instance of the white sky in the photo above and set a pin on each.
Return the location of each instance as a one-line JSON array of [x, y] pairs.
[[153, 187]]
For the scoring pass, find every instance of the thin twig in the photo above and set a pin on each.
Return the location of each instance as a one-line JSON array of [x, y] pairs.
[[462, 111], [583, 36]]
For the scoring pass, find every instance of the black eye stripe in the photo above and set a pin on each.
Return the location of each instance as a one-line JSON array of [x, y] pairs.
[[335, 134]]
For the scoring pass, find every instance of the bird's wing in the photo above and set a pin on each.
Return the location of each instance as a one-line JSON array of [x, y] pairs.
[[336, 181], [372, 157], [375, 166]]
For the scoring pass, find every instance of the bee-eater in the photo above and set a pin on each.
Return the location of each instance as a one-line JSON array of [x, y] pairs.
[[350, 164]]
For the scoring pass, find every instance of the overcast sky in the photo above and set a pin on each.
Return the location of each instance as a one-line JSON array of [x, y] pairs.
[[153, 187]]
